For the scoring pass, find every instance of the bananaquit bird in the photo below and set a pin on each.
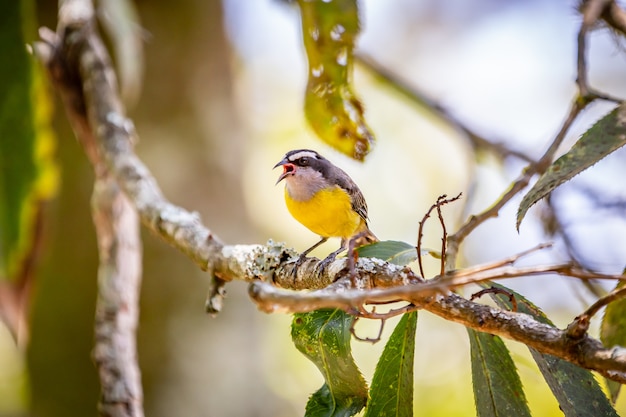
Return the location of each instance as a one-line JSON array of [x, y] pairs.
[[324, 198]]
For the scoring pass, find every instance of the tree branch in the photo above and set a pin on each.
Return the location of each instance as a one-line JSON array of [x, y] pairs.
[[79, 67], [117, 305], [420, 98], [70, 58], [615, 17], [583, 351]]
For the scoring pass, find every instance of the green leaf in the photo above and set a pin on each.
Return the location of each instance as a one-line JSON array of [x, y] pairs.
[[613, 332], [28, 174], [323, 336], [392, 385], [606, 136], [497, 388], [393, 251], [575, 388], [329, 30]]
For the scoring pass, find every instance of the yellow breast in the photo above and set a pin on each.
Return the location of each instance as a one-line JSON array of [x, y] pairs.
[[328, 213]]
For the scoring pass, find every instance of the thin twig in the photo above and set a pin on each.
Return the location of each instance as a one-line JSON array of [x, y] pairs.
[[585, 96], [444, 233], [496, 290], [509, 260], [374, 315], [353, 255], [455, 240], [368, 339], [420, 98], [557, 227], [580, 324], [444, 236], [441, 200], [615, 17], [591, 12], [420, 236]]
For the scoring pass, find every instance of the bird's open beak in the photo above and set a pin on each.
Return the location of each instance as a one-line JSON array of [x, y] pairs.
[[288, 169]]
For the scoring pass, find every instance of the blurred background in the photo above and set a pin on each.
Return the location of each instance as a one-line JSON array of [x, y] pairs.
[[222, 102]]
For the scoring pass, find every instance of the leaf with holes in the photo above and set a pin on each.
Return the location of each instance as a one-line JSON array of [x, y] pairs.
[[323, 336], [329, 30], [392, 384], [606, 136]]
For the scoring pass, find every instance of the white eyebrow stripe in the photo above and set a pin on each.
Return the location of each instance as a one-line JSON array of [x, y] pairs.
[[299, 155]]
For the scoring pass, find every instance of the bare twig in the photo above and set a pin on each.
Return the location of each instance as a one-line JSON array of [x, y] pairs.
[[374, 315], [444, 237], [592, 10], [441, 200], [556, 226], [420, 236], [444, 233], [615, 17], [420, 98], [371, 340], [353, 255], [455, 240], [495, 290], [580, 325], [510, 260]]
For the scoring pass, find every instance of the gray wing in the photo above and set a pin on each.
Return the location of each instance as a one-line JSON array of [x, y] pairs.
[[356, 196], [358, 202]]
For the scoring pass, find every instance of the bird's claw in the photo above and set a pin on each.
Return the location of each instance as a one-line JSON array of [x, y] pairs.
[[326, 261], [297, 262]]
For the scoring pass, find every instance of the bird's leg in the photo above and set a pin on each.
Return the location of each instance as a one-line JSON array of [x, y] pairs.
[[303, 255], [330, 258]]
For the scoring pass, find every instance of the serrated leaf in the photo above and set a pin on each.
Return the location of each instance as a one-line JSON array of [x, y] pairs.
[[497, 388], [613, 333], [329, 30], [392, 251], [606, 136], [323, 336], [392, 385], [28, 174], [575, 388]]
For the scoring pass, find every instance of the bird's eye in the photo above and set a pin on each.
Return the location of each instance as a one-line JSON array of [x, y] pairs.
[[304, 161]]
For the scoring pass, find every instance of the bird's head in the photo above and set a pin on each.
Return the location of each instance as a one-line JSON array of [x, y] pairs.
[[301, 164]]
